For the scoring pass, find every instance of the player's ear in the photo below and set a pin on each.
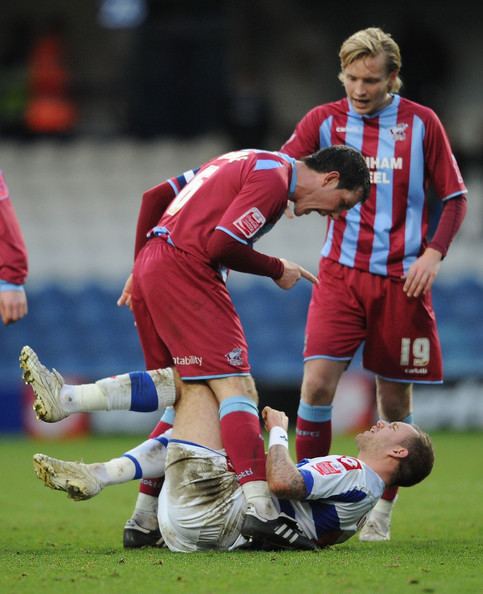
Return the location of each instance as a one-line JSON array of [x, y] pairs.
[[399, 452], [331, 177], [391, 79]]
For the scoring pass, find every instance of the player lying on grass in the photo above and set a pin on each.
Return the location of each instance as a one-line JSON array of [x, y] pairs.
[[137, 391], [202, 506]]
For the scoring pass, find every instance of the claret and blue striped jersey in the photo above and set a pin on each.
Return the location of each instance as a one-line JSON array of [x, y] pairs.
[[406, 149], [341, 491], [241, 193]]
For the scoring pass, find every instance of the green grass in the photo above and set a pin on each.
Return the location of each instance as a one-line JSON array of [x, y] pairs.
[[49, 544]]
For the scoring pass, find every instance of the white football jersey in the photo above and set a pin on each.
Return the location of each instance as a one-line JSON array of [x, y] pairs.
[[341, 490]]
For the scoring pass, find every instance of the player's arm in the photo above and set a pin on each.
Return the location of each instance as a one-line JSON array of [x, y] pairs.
[[423, 271], [450, 221], [13, 261], [283, 477], [255, 207], [237, 254], [448, 183], [154, 202], [305, 138]]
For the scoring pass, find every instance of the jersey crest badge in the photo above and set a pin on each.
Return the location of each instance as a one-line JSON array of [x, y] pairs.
[[399, 132], [326, 467], [234, 357], [250, 222]]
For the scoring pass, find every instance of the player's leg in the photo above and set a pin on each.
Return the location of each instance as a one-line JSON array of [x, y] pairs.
[[141, 391], [142, 529], [242, 438], [334, 330], [82, 481], [243, 442], [314, 415], [402, 348], [206, 513], [394, 403]]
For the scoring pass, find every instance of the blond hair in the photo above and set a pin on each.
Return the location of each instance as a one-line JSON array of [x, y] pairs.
[[372, 42]]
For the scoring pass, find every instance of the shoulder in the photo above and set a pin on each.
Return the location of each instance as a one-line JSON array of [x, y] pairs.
[[334, 467], [325, 110], [422, 111]]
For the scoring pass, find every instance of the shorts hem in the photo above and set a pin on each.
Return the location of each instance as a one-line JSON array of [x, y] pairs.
[[217, 376], [407, 381], [198, 445], [312, 357]]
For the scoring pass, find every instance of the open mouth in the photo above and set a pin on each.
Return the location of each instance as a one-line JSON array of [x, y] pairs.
[[360, 102]]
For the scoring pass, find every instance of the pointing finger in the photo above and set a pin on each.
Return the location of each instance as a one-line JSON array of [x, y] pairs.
[[309, 276]]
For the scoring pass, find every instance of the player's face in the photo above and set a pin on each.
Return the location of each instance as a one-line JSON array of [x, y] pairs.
[[328, 200], [384, 435], [366, 83]]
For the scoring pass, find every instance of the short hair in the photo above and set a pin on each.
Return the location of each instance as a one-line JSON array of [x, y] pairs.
[[418, 463], [349, 162], [372, 42]]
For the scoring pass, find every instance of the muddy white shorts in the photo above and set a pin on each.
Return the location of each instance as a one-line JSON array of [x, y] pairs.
[[201, 506]]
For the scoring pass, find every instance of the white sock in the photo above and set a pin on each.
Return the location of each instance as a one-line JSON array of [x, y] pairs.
[[258, 494], [384, 507], [150, 457], [116, 393], [82, 398], [146, 511], [114, 472], [147, 459]]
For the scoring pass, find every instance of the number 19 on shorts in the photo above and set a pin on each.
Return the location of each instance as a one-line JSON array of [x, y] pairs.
[[418, 349]]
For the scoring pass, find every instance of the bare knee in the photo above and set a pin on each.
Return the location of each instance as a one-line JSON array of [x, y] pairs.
[[320, 381], [394, 399], [234, 386]]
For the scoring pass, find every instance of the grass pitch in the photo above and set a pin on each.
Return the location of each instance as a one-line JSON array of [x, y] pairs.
[[50, 544]]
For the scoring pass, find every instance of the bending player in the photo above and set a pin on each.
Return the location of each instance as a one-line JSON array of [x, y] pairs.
[[328, 497]]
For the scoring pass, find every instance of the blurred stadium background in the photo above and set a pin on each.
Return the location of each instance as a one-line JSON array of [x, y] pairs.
[[101, 99]]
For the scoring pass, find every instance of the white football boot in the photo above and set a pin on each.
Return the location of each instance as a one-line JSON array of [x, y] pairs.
[[75, 478], [45, 384]]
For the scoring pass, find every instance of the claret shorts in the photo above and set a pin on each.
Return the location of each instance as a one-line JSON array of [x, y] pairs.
[[351, 306]]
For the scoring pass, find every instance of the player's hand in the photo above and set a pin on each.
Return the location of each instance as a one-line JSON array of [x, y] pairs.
[[292, 273], [13, 306], [422, 272], [126, 295], [274, 418], [289, 210]]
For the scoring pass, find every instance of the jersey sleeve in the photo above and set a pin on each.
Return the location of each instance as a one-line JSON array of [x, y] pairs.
[[13, 252], [305, 139], [332, 477], [441, 164], [450, 221], [234, 255], [155, 201]]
